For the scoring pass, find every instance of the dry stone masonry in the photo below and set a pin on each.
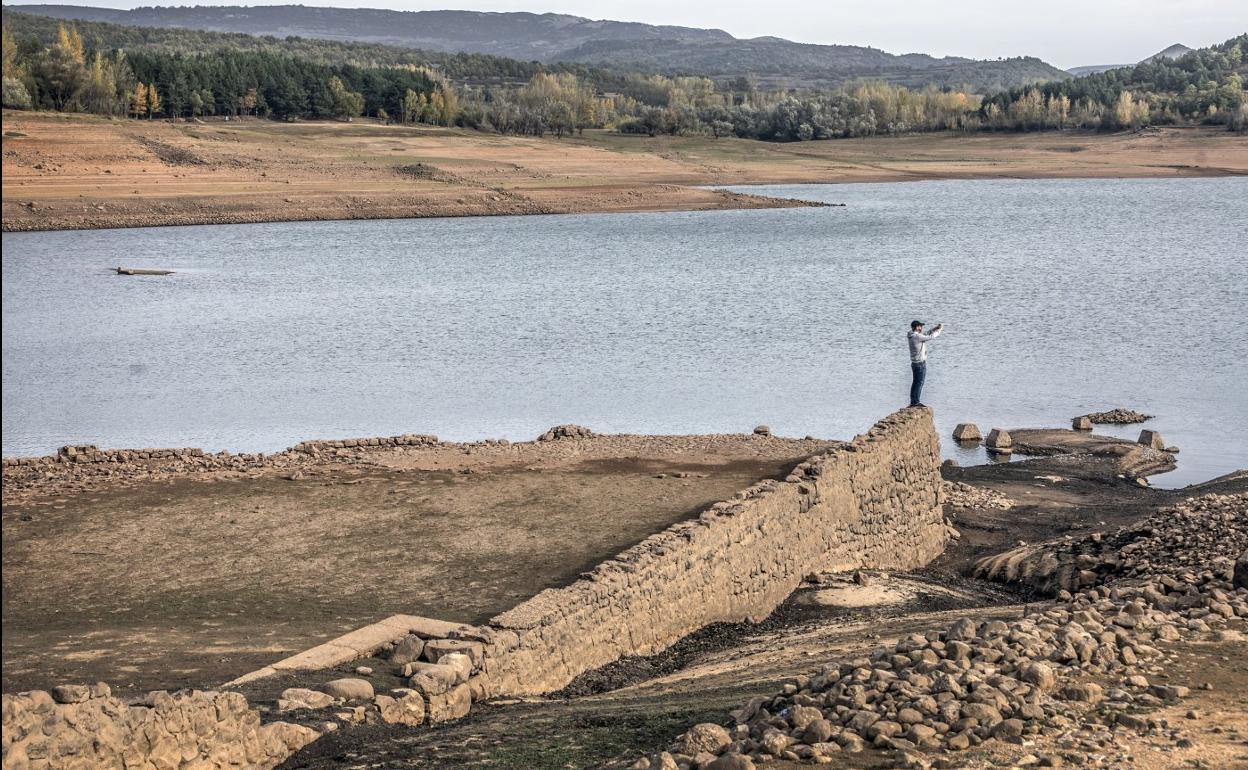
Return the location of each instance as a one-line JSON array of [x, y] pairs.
[[874, 502], [77, 727]]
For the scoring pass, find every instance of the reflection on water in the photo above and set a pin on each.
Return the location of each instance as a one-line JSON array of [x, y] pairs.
[[1060, 298]]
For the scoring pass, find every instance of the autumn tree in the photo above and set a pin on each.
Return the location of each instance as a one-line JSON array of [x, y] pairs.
[[153, 100], [138, 100]]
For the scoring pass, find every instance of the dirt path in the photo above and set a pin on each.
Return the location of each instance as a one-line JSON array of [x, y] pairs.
[[75, 171]]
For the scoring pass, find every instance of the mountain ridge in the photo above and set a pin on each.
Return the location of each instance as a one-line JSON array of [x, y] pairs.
[[1174, 51], [552, 37]]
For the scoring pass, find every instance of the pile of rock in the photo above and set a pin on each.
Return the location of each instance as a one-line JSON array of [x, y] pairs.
[[566, 431], [444, 676], [962, 495], [976, 681], [1117, 416], [372, 442], [1201, 531]]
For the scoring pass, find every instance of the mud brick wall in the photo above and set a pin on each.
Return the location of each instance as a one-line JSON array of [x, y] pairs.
[[874, 502], [84, 728]]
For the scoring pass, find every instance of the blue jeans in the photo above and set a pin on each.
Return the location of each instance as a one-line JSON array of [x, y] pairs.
[[919, 369]]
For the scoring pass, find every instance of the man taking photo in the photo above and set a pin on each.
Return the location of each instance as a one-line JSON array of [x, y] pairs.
[[918, 358]]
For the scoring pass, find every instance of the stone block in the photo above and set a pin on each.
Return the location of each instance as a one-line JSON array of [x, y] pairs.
[[967, 431], [432, 678], [1081, 423], [1152, 439], [293, 698], [453, 704], [436, 649], [999, 440]]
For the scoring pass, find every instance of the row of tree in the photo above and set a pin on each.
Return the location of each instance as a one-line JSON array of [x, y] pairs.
[[67, 76], [1202, 86], [240, 78]]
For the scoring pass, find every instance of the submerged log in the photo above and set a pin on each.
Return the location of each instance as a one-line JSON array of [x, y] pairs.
[[141, 271]]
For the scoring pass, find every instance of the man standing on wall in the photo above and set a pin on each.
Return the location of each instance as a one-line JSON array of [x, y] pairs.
[[918, 358]]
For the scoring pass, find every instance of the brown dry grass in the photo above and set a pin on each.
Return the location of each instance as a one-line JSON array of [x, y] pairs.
[[74, 171]]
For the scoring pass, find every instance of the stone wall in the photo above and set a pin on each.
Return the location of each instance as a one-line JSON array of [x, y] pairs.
[[874, 502], [84, 728]]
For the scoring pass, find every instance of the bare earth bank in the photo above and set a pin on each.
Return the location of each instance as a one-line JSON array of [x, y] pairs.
[[84, 172]]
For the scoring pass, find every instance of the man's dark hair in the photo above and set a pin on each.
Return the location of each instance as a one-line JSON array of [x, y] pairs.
[[915, 324]]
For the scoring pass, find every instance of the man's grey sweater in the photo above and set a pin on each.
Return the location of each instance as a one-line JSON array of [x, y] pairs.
[[918, 344]]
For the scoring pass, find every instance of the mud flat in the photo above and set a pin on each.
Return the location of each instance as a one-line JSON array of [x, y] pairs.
[[83, 172]]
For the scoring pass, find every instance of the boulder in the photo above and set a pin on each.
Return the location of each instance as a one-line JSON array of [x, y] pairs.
[[1039, 674], [705, 737], [967, 431], [1240, 578], [762, 430], [732, 762], [401, 707], [1081, 423], [1151, 439], [302, 698], [408, 649], [349, 689], [71, 693]]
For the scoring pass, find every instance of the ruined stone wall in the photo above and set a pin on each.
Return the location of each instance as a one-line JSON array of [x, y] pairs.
[[84, 728], [874, 502]]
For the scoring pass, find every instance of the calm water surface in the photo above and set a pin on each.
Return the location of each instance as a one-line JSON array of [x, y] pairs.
[[1060, 297]]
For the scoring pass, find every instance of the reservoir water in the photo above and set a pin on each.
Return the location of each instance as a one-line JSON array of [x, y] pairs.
[[1060, 297]]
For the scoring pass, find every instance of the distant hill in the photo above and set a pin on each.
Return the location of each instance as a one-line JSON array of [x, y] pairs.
[[1093, 69], [1173, 52], [553, 37]]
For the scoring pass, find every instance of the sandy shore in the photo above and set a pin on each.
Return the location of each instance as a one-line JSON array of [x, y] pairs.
[[82, 172]]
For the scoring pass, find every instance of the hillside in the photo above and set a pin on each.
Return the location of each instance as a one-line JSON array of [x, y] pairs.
[[557, 38], [782, 63], [1176, 51]]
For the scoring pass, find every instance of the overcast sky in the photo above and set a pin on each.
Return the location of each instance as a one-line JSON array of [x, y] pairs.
[[1066, 33]]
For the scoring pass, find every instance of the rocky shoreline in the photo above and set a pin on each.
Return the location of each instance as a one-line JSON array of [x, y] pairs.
[[1076, 673], [81, 467]]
